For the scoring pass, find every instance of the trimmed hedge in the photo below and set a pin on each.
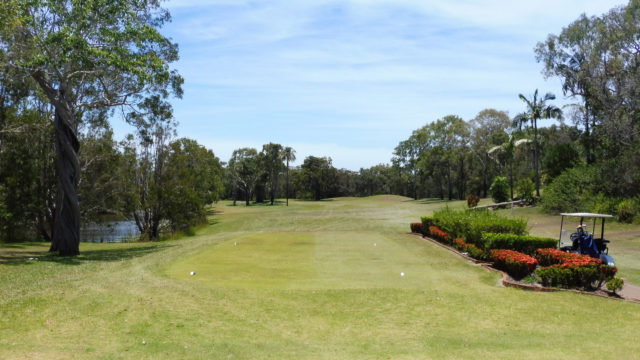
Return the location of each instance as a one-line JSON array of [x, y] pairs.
[[522, 243], [568, 270], [416, 227], [470, 249], [515, 263], [439, 235], [427, 222], [589, 277], [471, 224], [550, 256]]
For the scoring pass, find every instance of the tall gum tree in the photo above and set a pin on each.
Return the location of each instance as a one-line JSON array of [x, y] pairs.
[[85, 55]]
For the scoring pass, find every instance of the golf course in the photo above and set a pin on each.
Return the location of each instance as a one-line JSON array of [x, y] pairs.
[[334, 279]]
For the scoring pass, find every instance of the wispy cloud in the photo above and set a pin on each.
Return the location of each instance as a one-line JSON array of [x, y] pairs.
[[358, 74]]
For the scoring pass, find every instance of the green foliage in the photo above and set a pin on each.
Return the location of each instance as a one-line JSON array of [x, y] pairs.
[[558, 158], [470, 225], [602, 204], [568, 191], [628, 209], [499, 189], [515, 263], [521, 243], [427, 221], [27, 173], [525, 189], [588, 277], [193, 182], [318, 177], [615, 284]]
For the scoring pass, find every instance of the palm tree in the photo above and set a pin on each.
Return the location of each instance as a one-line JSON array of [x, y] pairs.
[[509, 148], [288, 154], [538, 109]]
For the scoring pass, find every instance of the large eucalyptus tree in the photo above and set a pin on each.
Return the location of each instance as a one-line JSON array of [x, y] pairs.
[[86, 55]]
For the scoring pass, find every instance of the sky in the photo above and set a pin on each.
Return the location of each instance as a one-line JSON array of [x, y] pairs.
[[350, 79]]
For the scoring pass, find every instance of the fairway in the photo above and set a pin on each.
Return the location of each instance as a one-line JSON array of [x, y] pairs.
[[315, 280], [314, 260]]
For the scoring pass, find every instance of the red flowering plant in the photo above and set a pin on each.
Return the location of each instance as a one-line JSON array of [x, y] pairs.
[[514, 263], [459, 244], [439, 235], [416, 227], [572, 270]]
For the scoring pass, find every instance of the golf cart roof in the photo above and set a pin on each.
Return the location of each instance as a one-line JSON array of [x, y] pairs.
[[591, 215]]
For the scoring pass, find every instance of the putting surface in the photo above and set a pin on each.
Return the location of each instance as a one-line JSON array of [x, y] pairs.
[[314, 260]]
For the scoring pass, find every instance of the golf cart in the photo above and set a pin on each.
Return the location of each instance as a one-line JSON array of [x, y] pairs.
[[584, 242]]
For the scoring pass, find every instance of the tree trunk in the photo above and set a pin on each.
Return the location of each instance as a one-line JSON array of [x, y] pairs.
[[274, 187], [66, 233], [587, 143], [511, 179], [449, 186], [484, 178], [235, 192], [287, 181], [535, 156]]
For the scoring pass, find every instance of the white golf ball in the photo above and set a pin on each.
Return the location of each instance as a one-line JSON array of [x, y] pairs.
[[401, 274], [192, 273], [374, 244]]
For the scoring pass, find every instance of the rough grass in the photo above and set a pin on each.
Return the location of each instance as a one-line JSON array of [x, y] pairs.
[[303, 282]]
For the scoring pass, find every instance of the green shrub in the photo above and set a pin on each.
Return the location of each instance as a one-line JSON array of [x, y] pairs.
[[515, 263], [603, 204], [615, 284], [499, 189], [588, 277], [520, 243], [416, 228], [525, 189], [427, 222], [627, 210], [567, 192], [470, 225]]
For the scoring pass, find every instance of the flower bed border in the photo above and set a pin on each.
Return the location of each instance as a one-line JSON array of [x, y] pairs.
[[508, 281]]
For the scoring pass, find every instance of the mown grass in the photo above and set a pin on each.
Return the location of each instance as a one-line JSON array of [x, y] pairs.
[[303, 281]]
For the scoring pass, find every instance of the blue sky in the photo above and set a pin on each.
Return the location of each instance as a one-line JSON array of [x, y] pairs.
[[350, 79]]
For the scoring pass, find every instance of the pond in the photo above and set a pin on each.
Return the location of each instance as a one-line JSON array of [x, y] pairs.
[[111, 231]]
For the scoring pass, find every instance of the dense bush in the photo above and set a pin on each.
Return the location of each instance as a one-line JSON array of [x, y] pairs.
[[615, 284], [603, 204], [627, 210], [439, 235], [469, 225], [427, 222], [568, 275], [470, 249], [568, 270], [521, 243], [416, 227], [525, 189], [516, 264], [568, 191], [499, 189], [472, 201]]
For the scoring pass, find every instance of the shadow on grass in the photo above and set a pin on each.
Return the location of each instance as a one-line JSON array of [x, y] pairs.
[[254, 204], [107, 255]]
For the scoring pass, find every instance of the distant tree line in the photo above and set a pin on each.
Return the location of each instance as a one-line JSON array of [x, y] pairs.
[[59, 163]]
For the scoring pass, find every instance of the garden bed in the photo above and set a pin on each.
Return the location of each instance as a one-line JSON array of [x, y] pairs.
[[509, 281]]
